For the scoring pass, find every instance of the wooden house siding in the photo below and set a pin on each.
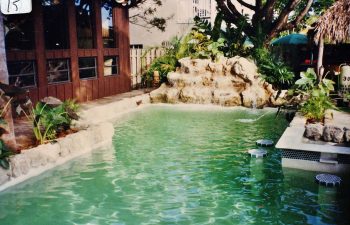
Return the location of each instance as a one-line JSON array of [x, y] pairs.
[[80, 89]]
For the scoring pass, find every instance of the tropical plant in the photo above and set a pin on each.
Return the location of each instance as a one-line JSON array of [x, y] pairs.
[[231, 39], [273, 70], [48, 121], [316, 95], [308, 82], [5, 152], [316, 105], [202, 47], [164, 64]]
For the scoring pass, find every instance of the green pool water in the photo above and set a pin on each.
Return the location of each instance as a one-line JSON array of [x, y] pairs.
[[171, 165]]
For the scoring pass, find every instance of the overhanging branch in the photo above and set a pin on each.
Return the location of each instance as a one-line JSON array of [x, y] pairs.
[[283, 17], [247, 5], [300, 17]]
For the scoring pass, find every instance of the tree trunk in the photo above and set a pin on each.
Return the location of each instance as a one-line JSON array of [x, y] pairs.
[[320, 68], [9, 137]]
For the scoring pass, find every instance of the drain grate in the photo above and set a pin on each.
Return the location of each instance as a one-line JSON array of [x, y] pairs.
[[343, 159], [302, 155], [328, 180]]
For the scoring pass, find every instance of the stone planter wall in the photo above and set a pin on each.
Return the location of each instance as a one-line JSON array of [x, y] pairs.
[[96, 131], [35, 161], [329, 133]]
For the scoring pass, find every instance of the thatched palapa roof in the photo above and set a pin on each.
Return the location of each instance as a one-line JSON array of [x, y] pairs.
[[334, 24]]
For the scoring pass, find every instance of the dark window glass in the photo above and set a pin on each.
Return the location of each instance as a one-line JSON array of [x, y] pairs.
[[85, 23], [22, 73], [111, 65], [19, 32], [107, 27], [55, 24], [87, 68], [57, 70]]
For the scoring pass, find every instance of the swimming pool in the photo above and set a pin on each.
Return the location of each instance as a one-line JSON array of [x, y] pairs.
[[178, 165]]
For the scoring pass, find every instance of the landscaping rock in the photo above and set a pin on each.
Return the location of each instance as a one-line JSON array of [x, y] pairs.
[[51, 101], [314, 131], [196, 95], [172, 95], [347, 134], [19, 165], [333, 133], [4, 175], [227, 98], [226, 82], [159, 95]]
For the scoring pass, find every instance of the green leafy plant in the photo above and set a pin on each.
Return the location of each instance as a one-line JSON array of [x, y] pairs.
[[316, 105], [48, 121], [272, 70], [5, 152], [316, 95], [204, 48], [308, 82]]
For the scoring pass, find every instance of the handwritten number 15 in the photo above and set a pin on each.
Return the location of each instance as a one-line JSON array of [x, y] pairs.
[[14, 3]]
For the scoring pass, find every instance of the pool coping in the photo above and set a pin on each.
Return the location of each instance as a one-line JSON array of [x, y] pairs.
[[293, 139]]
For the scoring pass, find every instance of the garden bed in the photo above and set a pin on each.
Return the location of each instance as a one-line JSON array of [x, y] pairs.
[[95, 131]]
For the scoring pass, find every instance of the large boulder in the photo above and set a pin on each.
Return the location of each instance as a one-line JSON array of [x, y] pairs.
[[227, 97], [159, 95], [196, 95], [333, 133], [314, 131], [255, 97]]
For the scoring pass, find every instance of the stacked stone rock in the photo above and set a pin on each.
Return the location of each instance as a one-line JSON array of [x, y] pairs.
[[227, 82], [329, 133]]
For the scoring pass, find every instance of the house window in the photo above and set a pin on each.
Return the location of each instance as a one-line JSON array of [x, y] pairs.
[[22, 73], [57, 70], [107, 27], [55, 24], [111, 65], [87, 67], [85, 23], [19, 32]]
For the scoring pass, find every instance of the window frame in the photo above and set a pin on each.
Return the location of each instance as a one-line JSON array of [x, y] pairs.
[[34, 74], [68, 71], [88, 68], [111, 66]]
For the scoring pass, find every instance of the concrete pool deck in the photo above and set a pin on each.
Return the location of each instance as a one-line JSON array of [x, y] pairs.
[[95, 131]]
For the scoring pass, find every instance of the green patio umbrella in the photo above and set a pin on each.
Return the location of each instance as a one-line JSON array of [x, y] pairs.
[[291, 39]]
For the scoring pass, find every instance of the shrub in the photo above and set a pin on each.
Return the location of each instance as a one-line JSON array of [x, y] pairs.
[[316, 95], [273, 70], [48, 121]]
